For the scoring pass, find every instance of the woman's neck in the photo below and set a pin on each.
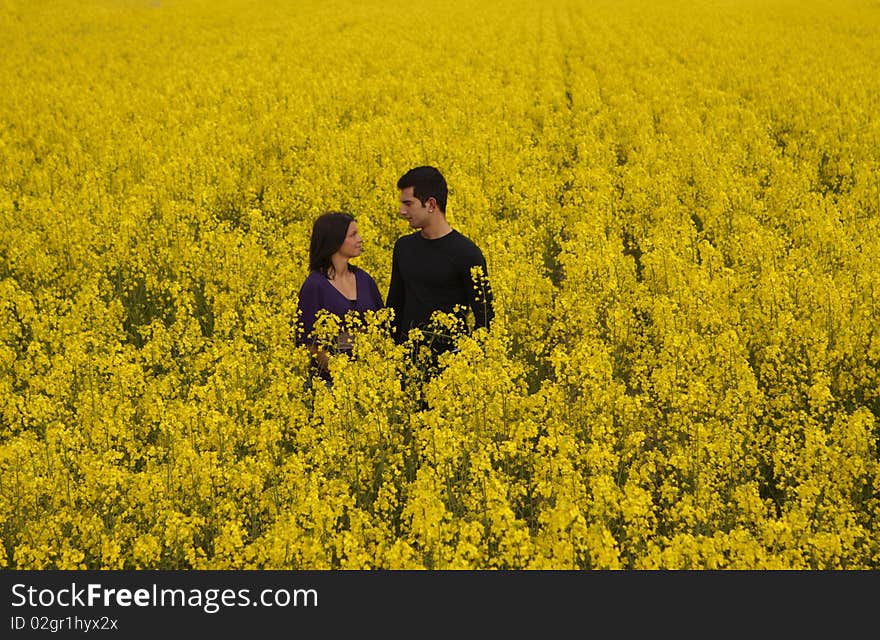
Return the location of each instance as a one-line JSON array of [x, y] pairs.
[[338, 267]]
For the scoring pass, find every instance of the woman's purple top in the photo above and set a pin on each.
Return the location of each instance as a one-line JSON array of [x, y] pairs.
[[317, 293]]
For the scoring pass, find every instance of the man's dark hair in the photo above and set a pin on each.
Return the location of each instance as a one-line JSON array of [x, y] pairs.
[[328, 234], [427, 182]]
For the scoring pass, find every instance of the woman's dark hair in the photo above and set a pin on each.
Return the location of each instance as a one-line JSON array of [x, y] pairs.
[[328, 234]]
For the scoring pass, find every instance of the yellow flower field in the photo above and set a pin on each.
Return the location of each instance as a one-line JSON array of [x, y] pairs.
[[679, 204]]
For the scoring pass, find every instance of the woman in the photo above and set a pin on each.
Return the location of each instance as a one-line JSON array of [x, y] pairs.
[[333, 284]]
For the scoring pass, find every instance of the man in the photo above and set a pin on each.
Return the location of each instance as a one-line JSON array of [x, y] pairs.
[[431, 269]]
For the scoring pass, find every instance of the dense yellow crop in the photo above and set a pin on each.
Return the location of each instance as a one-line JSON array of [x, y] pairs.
[[679, 203]]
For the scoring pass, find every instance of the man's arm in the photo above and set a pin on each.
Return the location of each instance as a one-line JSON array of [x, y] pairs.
[[396, 294]]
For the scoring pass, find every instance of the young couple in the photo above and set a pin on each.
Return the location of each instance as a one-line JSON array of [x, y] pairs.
[[431, 270]]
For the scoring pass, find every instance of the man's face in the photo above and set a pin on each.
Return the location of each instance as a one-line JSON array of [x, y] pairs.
[[413, 211]]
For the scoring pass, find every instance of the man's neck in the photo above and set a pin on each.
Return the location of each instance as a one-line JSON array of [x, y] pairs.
[[437, 230]]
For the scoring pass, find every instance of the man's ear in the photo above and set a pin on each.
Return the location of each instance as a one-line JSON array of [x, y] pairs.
[[431, 203]]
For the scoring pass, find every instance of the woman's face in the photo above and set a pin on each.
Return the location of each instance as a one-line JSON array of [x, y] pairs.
[[353, 243]]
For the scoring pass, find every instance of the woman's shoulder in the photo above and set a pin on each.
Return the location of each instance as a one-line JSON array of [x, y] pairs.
[[314, 280], [368, 290], [361, 274]]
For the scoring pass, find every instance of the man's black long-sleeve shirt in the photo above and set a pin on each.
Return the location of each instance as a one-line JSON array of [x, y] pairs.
[[435, 275]]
